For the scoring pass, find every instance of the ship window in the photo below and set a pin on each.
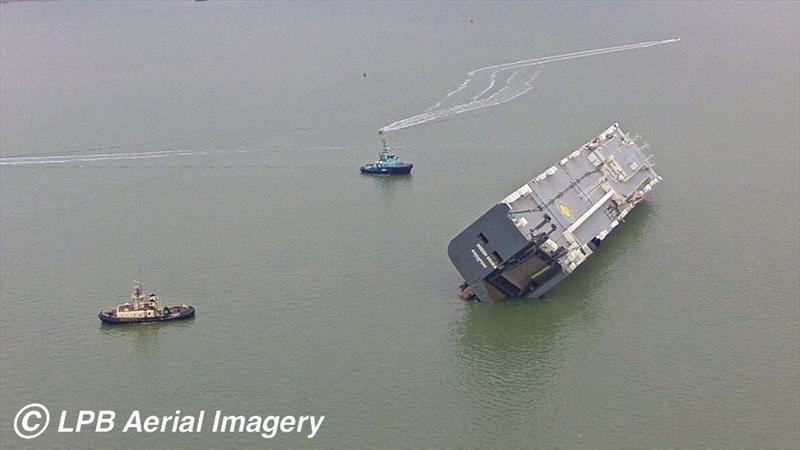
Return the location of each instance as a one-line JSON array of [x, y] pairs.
[[482, 239], [496, 258]]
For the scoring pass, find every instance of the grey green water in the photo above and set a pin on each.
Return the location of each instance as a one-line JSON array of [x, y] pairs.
[[321, 291]]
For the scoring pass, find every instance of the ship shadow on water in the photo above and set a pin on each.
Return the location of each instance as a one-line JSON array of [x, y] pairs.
[[514, 352], [143, 344], [388, 185], [389, 180]]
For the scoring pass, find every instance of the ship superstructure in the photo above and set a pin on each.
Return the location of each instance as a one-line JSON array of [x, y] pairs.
[[539, 234], [140, 310]]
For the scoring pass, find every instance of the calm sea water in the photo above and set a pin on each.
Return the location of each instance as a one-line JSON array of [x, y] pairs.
[[320, 291]]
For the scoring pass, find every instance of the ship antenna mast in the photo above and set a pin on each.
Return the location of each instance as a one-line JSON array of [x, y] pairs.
[[137, 296]]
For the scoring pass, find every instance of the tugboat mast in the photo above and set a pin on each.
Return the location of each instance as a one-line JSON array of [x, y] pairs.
[[137, 297]]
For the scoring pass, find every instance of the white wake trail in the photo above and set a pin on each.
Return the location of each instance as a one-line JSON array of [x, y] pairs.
[[88, 157], [445, 108]]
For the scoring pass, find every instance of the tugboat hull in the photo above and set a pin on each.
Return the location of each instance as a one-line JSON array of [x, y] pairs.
[[376, 170], [181, 312]]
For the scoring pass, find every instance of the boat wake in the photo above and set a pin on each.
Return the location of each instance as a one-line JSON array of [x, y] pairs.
[[500, 83], [89, 157]]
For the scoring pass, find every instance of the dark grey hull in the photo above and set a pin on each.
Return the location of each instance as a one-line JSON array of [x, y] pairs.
[[182, 314], [403, 169], [531, 273]]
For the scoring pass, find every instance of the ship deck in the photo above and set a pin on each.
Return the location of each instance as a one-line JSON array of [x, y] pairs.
[[577, 194]]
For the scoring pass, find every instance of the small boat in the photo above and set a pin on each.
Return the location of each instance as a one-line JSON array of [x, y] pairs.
[[387, 164], [141, 311]]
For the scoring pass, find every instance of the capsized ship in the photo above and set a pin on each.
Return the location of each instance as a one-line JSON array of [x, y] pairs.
[[140, 310], [388, 163], [537, 236]]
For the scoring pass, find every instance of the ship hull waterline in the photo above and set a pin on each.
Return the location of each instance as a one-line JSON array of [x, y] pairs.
[[185, 313], [399, 170]]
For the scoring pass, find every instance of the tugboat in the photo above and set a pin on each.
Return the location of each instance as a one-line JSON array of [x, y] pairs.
[[141, 311], [388, 163]]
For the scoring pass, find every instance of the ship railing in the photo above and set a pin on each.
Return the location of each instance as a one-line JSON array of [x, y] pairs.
[[646, 158], [638, 145]]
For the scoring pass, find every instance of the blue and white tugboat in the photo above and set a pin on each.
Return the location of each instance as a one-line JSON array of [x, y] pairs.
[[140, 310], [388, 163]]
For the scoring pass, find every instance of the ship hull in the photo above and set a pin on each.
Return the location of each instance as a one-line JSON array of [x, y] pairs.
[[184, 313], [398, 170], [533, 239]]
